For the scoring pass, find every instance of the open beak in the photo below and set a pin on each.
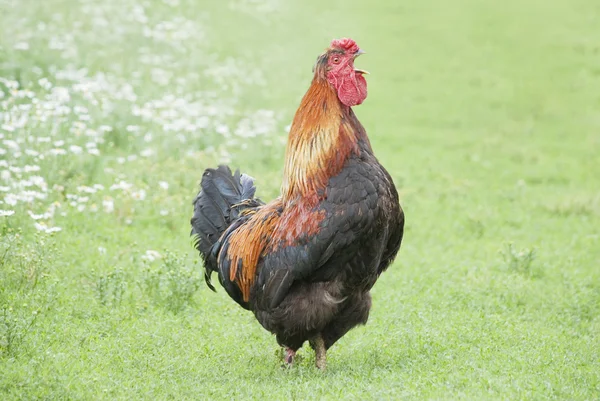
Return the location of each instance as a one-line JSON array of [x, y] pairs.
[[358, 70]]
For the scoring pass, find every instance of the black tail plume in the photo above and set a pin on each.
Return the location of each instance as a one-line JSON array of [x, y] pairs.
[[222, 198]]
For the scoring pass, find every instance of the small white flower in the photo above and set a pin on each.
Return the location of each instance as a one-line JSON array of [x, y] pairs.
[[11, 144], [58, 151], [29, 169], [37, 216], [125, 186], [102, 250], [163, 184], [222, 129], [75, 149], [139, 195], [108, 205], [10, 199], [44, 228], [146, 152], [4, 213], [83, 188], [151, 255], [44, 83]]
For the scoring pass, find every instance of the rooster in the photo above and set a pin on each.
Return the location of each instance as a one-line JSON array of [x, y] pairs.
[[305, 262]]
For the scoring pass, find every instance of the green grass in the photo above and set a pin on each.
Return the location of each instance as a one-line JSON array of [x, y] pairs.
[[485, 113]]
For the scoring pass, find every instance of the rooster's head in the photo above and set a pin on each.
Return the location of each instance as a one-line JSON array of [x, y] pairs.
[[336, 66]]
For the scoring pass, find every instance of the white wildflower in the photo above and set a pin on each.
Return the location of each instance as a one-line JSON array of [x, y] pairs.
[[75, 149], [146, 152], [44, 83], [125, 186], [151, 255], [44, 228], [4, 213], [222, 129], [43, 216], [58, 151], [29, 169], [139, 195], [11, 199], [163, 184], [11, 144], [109, 205]]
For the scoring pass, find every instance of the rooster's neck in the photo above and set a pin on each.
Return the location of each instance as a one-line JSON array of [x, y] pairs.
[[323, 135]]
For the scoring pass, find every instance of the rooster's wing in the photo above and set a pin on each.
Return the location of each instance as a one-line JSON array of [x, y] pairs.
[[352, 209]]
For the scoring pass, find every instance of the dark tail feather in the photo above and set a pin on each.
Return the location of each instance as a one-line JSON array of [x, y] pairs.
[[222, 198]]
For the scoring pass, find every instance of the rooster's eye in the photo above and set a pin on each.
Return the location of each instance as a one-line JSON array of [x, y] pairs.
[[335, 60]]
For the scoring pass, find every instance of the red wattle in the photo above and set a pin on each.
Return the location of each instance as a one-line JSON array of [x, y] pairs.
[[352, 89]]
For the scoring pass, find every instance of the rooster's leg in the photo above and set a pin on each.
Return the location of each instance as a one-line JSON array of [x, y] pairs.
[[289, 356], [318, 345]]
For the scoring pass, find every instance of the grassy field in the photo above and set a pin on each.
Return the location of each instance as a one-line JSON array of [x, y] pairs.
[[487, 115]]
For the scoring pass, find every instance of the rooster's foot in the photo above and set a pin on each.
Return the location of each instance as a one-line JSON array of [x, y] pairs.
[[289, 356], [318, 344]]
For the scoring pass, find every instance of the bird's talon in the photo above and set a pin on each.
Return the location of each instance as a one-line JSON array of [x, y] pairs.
[[289, 356]]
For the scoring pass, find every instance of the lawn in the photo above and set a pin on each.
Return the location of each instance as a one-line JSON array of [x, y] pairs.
[[486, 114]]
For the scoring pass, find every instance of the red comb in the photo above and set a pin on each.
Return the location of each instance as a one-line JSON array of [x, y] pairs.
[[345, 44]]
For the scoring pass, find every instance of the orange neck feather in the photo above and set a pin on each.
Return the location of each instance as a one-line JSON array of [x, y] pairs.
[[320, 141]]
